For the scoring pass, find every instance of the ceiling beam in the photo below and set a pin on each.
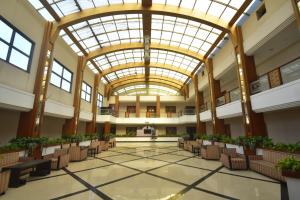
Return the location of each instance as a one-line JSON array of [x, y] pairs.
[[139, 45], [141, 64], [147, 37], [142, 81], [129, 79], [158, 9], [143, 89]]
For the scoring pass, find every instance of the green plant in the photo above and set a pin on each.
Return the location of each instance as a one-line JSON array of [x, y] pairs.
[[9, 148], [289, 163], [287, 147]]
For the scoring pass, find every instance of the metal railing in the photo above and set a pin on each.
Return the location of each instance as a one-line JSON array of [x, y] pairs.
[[220, 101], [279, 76]]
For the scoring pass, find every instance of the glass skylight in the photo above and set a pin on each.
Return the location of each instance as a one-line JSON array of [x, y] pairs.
[[222, 9], [142, 89], [183, 33], [168, 73], [177, 60], [106, 31], [119, 57], [125, 72], [66, 7]]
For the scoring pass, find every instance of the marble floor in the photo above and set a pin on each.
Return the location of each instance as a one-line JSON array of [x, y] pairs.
[[147, 171]]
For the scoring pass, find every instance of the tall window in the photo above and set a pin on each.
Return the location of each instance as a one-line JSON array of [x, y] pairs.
[[86, 92], [15, 47], [61, 76], [99, 100]]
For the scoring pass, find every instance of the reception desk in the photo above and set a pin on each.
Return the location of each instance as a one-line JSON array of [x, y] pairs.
[[146, 139]]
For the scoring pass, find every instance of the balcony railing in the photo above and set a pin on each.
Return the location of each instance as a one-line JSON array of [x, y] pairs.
[[107, 111], [220, 101], [204, 107], [279, 76], [234, 95]]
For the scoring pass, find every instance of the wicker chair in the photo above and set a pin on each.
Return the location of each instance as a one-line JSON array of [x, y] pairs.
[[210, 152], [104, 145], [59, 159], [95, 144], [180, 142], [78, 153], [4, 180], [233, 160], [266, 164], [191, 144]]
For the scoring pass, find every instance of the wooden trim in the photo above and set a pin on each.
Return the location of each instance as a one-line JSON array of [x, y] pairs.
[[30, 123], [141, 64], [215, 92], [296, 12], [91, 126], [71, 125], [157, 106], [140, 45], [200, 126], [138, 106], [246, 71], [158, 9]]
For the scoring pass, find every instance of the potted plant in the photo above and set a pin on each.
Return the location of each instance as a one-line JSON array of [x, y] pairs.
[[290, 169]]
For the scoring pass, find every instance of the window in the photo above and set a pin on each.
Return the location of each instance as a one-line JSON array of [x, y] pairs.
[[171, 131], [131, 131], [86, 91], [99, 100], [61, 77], [261, 11], [16, 48], [170, 109], [131, 109]]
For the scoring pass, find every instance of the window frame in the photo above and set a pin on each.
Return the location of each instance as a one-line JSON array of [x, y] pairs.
[[98, 100], [11, 46], [83, 82], [61, 76]]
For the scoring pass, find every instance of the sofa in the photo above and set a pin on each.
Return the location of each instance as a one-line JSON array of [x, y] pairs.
[[210, 152], [59, 159], [266, 163], [6, 160], [78, 153], [233, 160]]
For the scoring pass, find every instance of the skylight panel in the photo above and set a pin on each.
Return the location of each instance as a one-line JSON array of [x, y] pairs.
[[187, 4]]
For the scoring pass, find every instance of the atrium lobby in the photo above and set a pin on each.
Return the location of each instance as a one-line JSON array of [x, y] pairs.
[[149, 99]]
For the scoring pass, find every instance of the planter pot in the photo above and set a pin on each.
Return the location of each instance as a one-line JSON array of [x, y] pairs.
[[293, 184]]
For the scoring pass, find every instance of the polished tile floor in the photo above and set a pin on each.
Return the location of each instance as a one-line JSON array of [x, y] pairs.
[[147, 171]]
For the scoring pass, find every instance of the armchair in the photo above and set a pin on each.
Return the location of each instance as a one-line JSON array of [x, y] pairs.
[[4, 180], [233, 160], [59, 159], [210, 152], [78, 153]]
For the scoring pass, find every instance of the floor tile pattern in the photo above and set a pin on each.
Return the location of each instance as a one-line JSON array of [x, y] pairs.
[[148, 171]]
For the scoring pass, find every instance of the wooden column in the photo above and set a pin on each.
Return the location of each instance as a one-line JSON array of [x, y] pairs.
[[215, 92], [138, 106], [107, 127], [296, 11], [254, 123], [158, 106], [91, 126], [200, 126], [117, 105], [71, 125], [30, 123]]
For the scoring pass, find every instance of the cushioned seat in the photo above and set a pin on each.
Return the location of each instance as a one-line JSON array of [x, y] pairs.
[[232, 160]]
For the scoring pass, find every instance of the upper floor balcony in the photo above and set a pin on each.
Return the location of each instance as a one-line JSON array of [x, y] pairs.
[[277, 89], [182, 117]]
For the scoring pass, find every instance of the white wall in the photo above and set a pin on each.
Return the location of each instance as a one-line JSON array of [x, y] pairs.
[[284, 126], [52, 127], [9, 125], [236, 126]]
